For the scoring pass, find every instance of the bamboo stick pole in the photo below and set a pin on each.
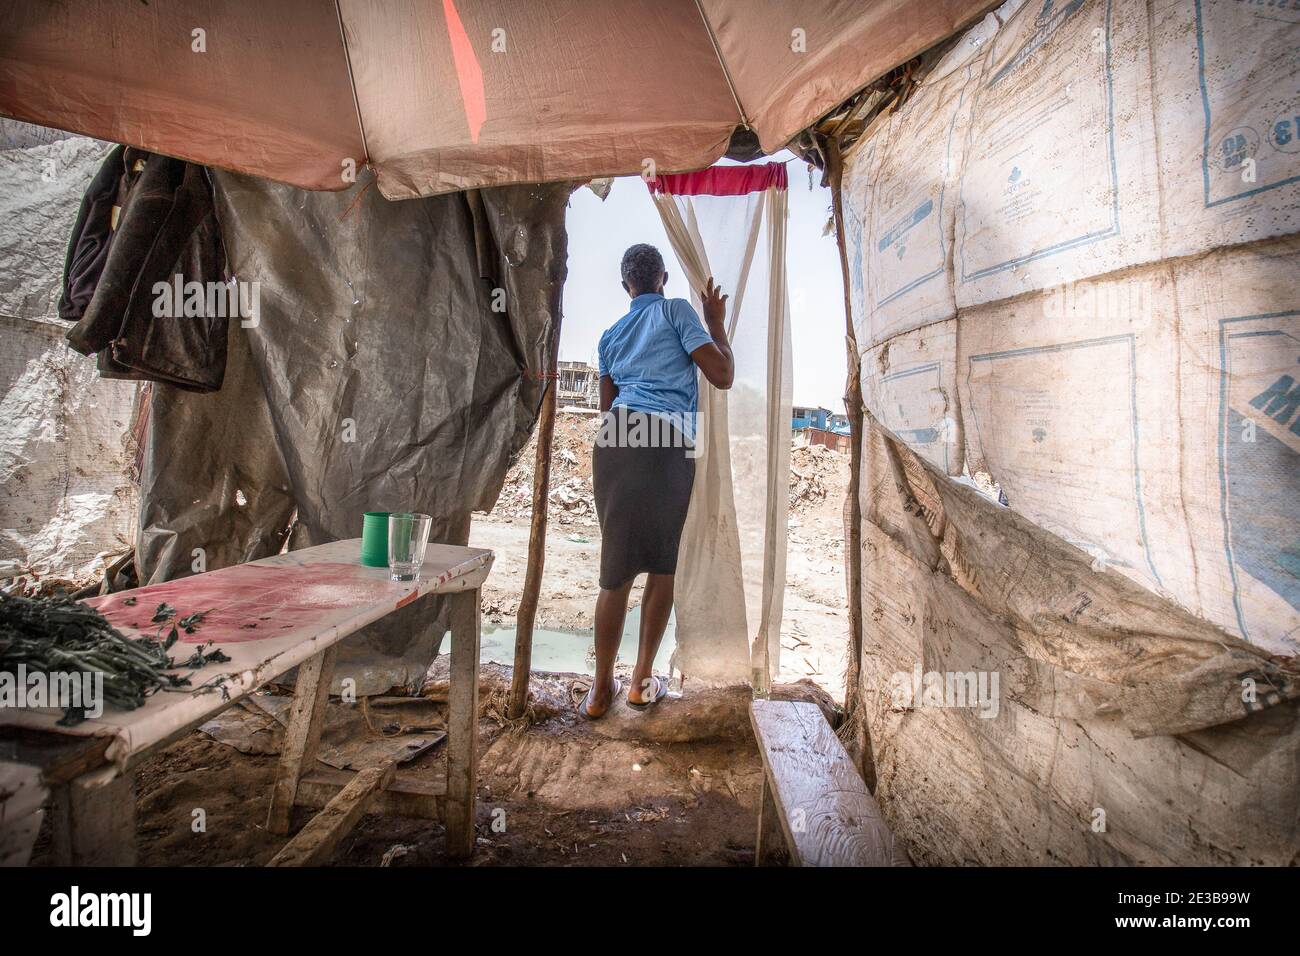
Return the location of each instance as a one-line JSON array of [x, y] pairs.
[[527, 614], [853, 408]]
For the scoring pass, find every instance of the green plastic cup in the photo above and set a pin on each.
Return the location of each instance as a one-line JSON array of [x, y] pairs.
[[374, 539]]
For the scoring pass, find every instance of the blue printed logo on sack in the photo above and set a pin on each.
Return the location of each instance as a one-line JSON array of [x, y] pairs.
[[1238, 147], [1262, 453], [1050, 18], [1258, 459]]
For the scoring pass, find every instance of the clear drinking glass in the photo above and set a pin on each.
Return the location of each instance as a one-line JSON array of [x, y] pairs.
[[408, 536]]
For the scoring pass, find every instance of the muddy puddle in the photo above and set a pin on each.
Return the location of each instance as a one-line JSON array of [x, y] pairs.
[[571, 651]]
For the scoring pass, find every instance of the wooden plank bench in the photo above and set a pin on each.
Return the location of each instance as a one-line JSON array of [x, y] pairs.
[[813, 795]]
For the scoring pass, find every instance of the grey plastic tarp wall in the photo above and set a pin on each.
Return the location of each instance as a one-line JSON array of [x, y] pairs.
[[378, 377]]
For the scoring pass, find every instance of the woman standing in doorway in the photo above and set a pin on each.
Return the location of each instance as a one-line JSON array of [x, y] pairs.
[[643, 464]]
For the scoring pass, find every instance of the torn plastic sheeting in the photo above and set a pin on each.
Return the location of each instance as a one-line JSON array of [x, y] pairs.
[[40, 192], [65, 496], [1095, 644], [380, 378]]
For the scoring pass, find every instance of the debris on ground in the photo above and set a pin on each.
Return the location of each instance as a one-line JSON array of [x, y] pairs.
[[555, 791], [571, 499], [396, 852], [813, 624], [815, 472]]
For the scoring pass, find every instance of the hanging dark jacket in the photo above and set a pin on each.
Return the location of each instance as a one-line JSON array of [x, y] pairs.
[[162, 224], [88, 248]]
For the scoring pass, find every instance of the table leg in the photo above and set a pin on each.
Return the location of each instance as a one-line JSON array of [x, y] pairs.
[[94, 820], [301, 736], [462, 723]]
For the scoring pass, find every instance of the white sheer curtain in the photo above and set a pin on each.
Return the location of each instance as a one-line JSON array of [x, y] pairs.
[[729, 222]]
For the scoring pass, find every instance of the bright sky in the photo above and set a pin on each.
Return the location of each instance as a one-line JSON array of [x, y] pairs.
[[599, 232]]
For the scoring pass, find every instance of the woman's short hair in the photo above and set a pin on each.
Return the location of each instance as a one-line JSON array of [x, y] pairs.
[[642, 267]]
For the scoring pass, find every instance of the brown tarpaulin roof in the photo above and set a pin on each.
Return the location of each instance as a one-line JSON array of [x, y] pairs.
[[441, 95]]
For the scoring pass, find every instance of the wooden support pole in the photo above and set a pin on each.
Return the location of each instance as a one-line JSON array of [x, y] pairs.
[[853, 504], [526, 617]]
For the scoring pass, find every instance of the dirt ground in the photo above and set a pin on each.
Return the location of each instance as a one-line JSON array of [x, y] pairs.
[[678, 785], [815, 626]]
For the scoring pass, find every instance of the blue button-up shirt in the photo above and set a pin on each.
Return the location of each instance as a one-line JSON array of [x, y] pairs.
[[648, 355]]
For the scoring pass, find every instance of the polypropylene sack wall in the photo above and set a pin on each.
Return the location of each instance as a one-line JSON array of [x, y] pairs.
[[1070, 271], [1117, 732], [1073, 261]]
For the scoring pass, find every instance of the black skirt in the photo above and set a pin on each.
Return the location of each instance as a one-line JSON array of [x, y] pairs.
[[642, 489]]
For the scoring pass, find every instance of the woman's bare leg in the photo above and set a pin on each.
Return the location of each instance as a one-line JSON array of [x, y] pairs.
[[611, 612], [656, 606]]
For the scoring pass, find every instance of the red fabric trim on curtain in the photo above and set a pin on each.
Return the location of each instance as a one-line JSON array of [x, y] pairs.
[[722, 181]]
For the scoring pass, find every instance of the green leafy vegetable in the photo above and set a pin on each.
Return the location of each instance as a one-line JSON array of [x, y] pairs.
[[57, 635]]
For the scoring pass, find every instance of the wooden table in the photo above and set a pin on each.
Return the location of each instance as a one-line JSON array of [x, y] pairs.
[[269, 616]]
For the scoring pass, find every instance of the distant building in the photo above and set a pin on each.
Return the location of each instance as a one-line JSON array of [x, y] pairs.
[[802, 416], [820, 436], [579, 385], [839, 423]]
